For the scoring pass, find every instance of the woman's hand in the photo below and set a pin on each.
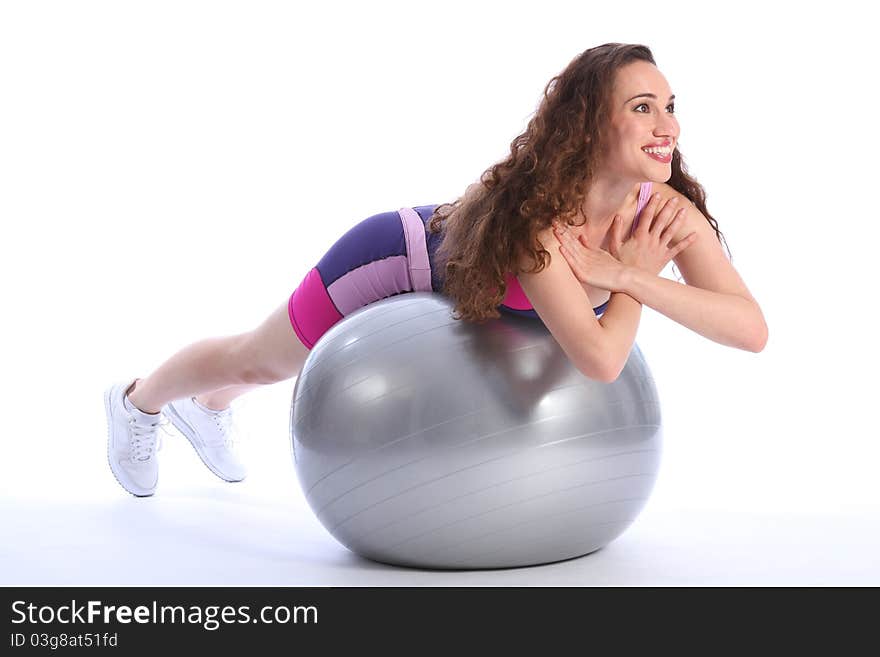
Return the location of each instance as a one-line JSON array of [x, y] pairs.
[[648, 247], [594, 267]]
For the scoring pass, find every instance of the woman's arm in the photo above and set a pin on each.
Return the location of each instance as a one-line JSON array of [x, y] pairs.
[[715, 302], [558, 297], [621, 323], [728, 319]]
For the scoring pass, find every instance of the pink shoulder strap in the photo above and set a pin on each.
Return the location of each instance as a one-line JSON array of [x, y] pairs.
[[644, 197]]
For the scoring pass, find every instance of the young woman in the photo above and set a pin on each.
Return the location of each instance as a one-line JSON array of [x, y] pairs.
[[603, 147]]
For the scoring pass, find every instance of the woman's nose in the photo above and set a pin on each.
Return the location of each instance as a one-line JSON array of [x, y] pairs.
[[667, 127]]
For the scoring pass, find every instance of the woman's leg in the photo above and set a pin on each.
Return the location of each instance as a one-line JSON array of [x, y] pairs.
[[230, 365], [217, 400]]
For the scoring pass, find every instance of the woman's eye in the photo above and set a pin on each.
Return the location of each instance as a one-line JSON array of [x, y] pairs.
[[672, 105]]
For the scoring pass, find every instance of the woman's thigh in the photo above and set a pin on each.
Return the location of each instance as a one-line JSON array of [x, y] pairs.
[[271, 352], [382, 256]]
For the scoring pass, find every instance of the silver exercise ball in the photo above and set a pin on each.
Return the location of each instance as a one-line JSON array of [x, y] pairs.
[[428, 442]]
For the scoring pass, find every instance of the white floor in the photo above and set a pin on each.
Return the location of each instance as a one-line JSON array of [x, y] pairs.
[[198, 530], [210, 534]]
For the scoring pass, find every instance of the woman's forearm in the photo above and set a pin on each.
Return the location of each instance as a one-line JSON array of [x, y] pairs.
[[728, 319], [621, 323]]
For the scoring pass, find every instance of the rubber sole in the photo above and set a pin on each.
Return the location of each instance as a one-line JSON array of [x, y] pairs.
[[107, 407]]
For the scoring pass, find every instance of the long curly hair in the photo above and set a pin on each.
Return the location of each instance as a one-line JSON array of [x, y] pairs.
[[495, 223]]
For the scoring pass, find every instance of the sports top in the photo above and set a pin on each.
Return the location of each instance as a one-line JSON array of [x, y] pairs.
[[515, 300]]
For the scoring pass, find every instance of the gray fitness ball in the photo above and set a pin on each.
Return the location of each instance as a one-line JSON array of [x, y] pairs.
[[424, 441]]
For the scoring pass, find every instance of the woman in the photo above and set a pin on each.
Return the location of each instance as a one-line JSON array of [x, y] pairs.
[[602, 146]]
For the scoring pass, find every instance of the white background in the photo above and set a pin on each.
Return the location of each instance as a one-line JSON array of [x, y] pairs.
[[171, 170]]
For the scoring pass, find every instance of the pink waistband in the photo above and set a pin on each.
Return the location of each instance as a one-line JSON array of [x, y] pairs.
[[416, 250]]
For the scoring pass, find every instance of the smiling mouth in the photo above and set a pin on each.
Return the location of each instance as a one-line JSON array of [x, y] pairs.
[[660, 156], [662, 150]]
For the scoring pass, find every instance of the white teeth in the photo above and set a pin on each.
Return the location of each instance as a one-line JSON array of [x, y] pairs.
[[665, 150]]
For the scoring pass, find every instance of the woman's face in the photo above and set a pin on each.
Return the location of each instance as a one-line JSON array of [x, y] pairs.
[[639, 121]]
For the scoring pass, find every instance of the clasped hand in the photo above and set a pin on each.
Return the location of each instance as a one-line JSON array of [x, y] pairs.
[[646, 249]]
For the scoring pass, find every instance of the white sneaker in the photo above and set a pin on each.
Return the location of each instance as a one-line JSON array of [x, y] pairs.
[[211, 433], [132, 442]]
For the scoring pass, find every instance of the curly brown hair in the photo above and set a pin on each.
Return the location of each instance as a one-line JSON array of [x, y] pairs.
[[496, 222]]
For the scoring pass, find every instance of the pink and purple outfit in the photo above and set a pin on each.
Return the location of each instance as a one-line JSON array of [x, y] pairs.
[[384, 255]]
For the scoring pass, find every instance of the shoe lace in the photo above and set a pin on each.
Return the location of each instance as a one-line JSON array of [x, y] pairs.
[[224, 422], [144, 438]]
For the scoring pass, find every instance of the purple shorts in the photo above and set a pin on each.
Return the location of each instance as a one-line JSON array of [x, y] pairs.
[[383, 255]]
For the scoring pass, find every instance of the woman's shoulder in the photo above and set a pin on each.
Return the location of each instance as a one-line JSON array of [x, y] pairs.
[[667, 192], [546, 239]]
